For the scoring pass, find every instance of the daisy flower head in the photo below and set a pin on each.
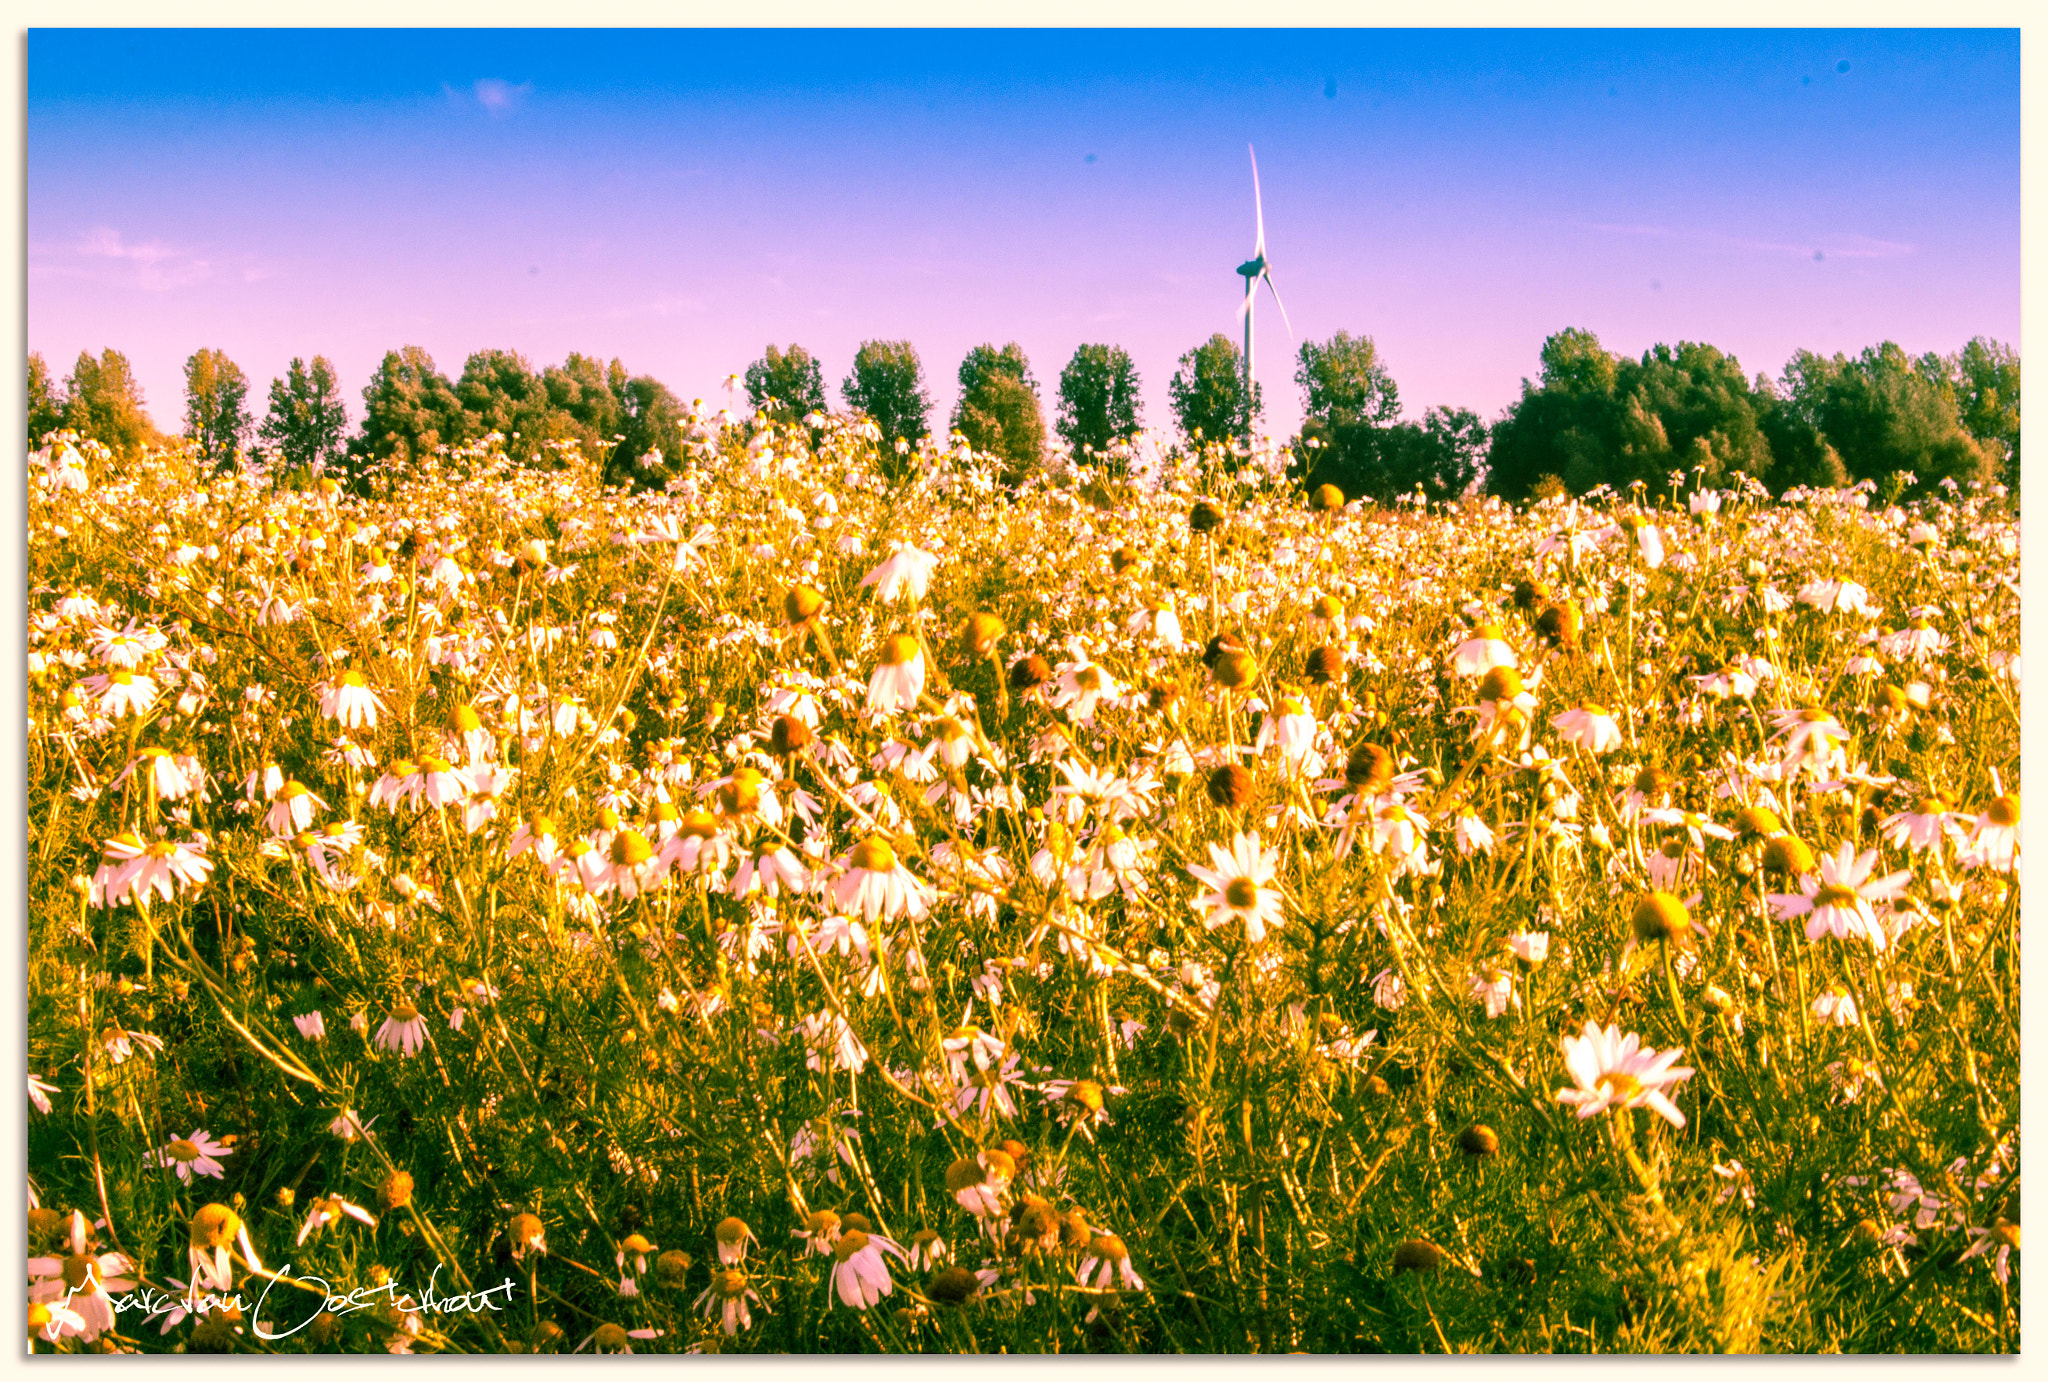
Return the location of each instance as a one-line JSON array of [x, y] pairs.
[[1837, 902], [292, 810], [164, 868], [79, 1285], [979, 1182], [1108, 1263], [403, 1029], [732, 1237], [331, 1210], [122, 692], [874, 883], [860, 1276], [349, 699], [1479, 654], [1080, 687], [1589, 727], [1613, 1071], [727, 1299], [1239, 880], [210, 1233], [1994, 836], [907, 569], [898, 678], [190, 1156]]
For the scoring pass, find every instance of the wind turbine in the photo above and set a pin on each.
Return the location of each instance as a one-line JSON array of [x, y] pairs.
[[1254, 269]]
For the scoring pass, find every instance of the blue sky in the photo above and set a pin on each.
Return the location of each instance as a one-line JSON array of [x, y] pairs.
[[679, 199]]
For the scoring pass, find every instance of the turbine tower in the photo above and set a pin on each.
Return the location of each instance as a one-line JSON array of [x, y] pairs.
[[1254, 269]]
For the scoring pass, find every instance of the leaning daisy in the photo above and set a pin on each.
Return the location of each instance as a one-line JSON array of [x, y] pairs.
[[1240, 885], [905, 569], [190, 1156], [349, 699], [1589, 727], [898, 678], [332, 1209], [860, 1276], [404, 1030], [1838, 902], [876, 885], [1614, 1071]]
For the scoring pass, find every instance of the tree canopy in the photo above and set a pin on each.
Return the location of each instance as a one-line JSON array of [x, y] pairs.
[[887, 386], [998, 409], [216, 406], [103, 401], [1210, 399], [1099, 401], [307, 423], [790, 382]]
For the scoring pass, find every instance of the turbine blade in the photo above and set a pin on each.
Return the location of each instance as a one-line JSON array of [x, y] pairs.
[[1268, 276], [1258, 203]]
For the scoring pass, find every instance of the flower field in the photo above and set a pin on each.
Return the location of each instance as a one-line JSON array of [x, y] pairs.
[[798, 910]]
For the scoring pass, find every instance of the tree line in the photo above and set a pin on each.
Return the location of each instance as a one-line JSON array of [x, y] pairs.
[[1590, 418]]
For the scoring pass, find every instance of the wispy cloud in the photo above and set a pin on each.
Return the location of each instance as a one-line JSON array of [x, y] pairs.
[[104, 254], [496, 97], [1850, 246]]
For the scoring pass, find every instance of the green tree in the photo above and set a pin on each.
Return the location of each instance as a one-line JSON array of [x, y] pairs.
[[1596, 419], [409, 409], [998, 409], [1885, 412], [501, 393], [887, 385], [307, 421], [1209, 396], [1443, 455], [1344, 378], [590, 394], [1987, 380], [103, 401], [216, 406], [45, 401], [789, 382], [653, 421], [1099, 401]]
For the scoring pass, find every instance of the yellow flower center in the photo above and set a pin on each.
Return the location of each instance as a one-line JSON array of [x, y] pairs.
[[184, 1149], [2005, 810], [404, 1012], [1621, 1085], [214, 1225], [630, 849], [898, 649], [874, 854], [1833, 896], [1241, 893], [353, 678]]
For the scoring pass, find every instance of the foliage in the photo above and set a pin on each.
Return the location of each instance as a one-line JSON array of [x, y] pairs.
[[1209, 394], [1443, 455], [45, 401], [1099, 402], [216, 406], [1597, 420], [998, 410], [103, 401], [1987, 382], [409, 409], [887, 386], [1344, 380], [790, 383], [307, 422], [1885, 413]]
